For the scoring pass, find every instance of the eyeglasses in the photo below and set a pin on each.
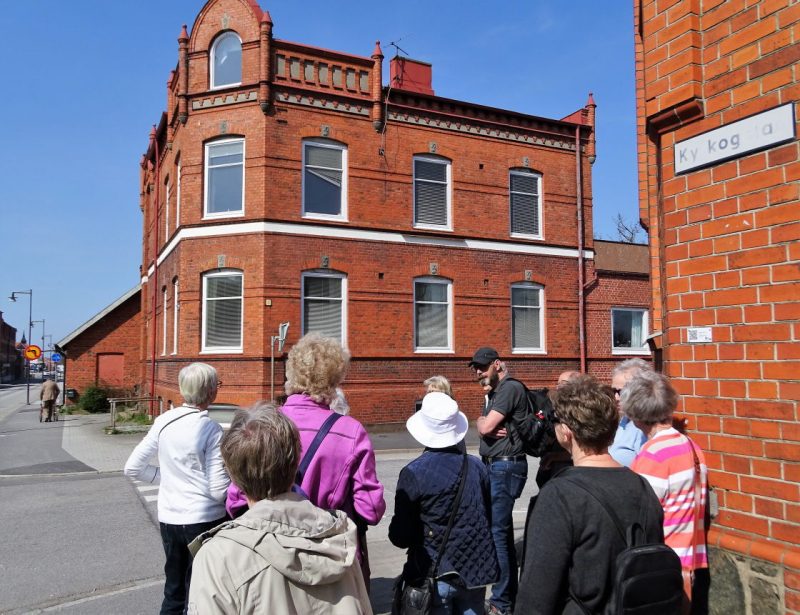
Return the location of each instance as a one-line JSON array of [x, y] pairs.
[[219, 383], [616, 391], [477, 367]]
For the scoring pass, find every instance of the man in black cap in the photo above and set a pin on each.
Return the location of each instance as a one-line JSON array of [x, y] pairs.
[[502, 451]]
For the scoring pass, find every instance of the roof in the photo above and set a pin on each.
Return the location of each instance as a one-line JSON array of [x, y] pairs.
[[622, 257], [99, 316]]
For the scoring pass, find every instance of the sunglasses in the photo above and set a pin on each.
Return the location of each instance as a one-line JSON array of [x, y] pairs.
[[616, 391]]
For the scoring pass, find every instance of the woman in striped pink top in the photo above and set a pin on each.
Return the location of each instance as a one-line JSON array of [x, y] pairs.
[[676, 469]]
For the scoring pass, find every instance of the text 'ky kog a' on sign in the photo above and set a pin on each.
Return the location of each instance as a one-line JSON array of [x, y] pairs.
[[736, 139]]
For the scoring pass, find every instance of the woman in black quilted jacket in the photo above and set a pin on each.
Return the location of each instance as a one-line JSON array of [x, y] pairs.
[[426, 492]]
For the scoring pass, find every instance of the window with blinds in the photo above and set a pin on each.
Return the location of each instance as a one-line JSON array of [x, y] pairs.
[[324, 180], [224, 193], [432, 315], [226, 61], [431, 192], [323, 305], [525, 195], [223, 311], [629, 331], [527, 331]]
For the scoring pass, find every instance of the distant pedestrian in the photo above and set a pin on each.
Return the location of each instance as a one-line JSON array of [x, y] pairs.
[[48, 394], [555, 458], [677, 471], [284, 555], [628, 440], [424, 501], [572, 542], [191, 499], [440, 384], [502, 451]]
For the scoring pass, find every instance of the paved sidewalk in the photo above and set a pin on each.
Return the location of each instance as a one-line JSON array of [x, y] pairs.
[[85, 440]]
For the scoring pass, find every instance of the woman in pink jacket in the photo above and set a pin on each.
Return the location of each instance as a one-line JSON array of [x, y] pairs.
[[342, 474]]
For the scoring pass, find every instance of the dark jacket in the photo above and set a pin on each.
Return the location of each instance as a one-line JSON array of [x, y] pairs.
[[426, 492]]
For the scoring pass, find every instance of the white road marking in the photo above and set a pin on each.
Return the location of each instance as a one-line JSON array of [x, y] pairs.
[[150, 498], [134, 587], [147, 487]]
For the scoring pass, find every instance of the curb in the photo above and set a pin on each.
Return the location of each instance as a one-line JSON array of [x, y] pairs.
[[51, 475]]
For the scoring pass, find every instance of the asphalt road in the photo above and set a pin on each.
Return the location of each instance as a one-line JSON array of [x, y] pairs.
[[82, 542]]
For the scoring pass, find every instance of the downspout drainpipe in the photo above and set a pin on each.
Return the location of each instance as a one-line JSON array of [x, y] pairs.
[[581, 307], [154, 281]]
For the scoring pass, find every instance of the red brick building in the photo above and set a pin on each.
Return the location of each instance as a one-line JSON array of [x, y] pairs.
[[105, 350], [717, 86], [12, 365], [286, 183]]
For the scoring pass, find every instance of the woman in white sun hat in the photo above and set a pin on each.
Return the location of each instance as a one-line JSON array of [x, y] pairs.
[[425, 498]]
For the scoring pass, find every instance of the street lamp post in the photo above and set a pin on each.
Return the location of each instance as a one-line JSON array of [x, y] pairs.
[[42, 355], [13, 299]]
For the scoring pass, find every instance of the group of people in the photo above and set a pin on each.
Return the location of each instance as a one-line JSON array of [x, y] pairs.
[[272, 515]]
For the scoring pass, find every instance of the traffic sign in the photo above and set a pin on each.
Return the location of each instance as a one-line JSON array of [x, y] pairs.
[[33, 352], [55, 357]]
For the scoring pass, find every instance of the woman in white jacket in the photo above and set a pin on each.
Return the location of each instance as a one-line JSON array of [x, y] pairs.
[[284, 555], [193, 481]]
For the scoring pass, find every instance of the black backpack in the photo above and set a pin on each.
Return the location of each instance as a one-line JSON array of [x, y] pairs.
[[647, 578], [537, 429]]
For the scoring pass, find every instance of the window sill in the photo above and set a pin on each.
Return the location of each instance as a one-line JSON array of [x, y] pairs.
[[214, 88], [631, 351], [307, 216], [433, 351], [222, 351], [524, 351], [524, 236], [227, 214], [433, 227]]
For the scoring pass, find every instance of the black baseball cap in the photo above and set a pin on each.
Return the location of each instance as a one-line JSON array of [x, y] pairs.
[[484, 356]]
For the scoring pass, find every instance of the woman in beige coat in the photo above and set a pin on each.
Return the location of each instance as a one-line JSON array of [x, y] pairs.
[[284, 555]]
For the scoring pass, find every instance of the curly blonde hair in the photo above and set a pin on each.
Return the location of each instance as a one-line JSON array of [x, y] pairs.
[[316, 365]]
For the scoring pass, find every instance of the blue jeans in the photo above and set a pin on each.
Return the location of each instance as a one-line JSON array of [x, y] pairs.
[[455, 599], [506, 480]]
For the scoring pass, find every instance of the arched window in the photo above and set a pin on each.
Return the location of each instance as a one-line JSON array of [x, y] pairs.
[[175, 307], [164, 312], [226, 61]]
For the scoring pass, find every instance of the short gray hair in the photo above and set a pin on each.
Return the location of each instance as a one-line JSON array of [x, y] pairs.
[[632, 367], [649, 398], [198, 383], [261, 451], [439, 383]]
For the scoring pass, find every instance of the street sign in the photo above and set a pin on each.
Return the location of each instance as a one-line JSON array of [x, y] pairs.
[[33, 352], [55, 357]]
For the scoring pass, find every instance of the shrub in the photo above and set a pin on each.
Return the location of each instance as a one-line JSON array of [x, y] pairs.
[[93, 399]]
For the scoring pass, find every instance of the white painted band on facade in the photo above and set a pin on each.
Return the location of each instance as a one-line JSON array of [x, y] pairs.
[[335, 232]]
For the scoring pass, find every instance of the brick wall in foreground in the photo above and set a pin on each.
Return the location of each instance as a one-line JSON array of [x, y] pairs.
[[725, 255]]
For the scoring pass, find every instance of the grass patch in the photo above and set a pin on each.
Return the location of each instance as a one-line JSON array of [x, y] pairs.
[[72, 410]]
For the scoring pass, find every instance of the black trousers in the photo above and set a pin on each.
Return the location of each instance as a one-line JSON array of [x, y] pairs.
[[178, 567]]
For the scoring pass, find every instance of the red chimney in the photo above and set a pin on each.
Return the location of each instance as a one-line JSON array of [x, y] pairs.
[[411, 75]]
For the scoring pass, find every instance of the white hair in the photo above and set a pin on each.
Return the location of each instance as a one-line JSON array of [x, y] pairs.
[[632, 368], [339, 403], [198, 383]]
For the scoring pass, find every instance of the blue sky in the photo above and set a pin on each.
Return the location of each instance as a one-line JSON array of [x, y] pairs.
[[84, 81]]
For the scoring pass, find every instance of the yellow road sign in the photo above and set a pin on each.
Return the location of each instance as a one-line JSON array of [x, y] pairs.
[[33, 352]]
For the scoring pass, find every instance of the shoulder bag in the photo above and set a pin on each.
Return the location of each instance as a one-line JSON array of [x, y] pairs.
[[410, 600]]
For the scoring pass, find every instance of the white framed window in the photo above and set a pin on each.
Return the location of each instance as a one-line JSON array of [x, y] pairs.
[[527, 318], [525, 202], [629, 331], [226, 61], [178, 196], [166, 211], [432, 192], [224, 179], [175, 308], [324, 304], [164, 313], [223, 311], [324, 180], [433, 315]]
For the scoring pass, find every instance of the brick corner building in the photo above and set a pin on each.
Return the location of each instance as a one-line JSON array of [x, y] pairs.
[[717, 90]]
